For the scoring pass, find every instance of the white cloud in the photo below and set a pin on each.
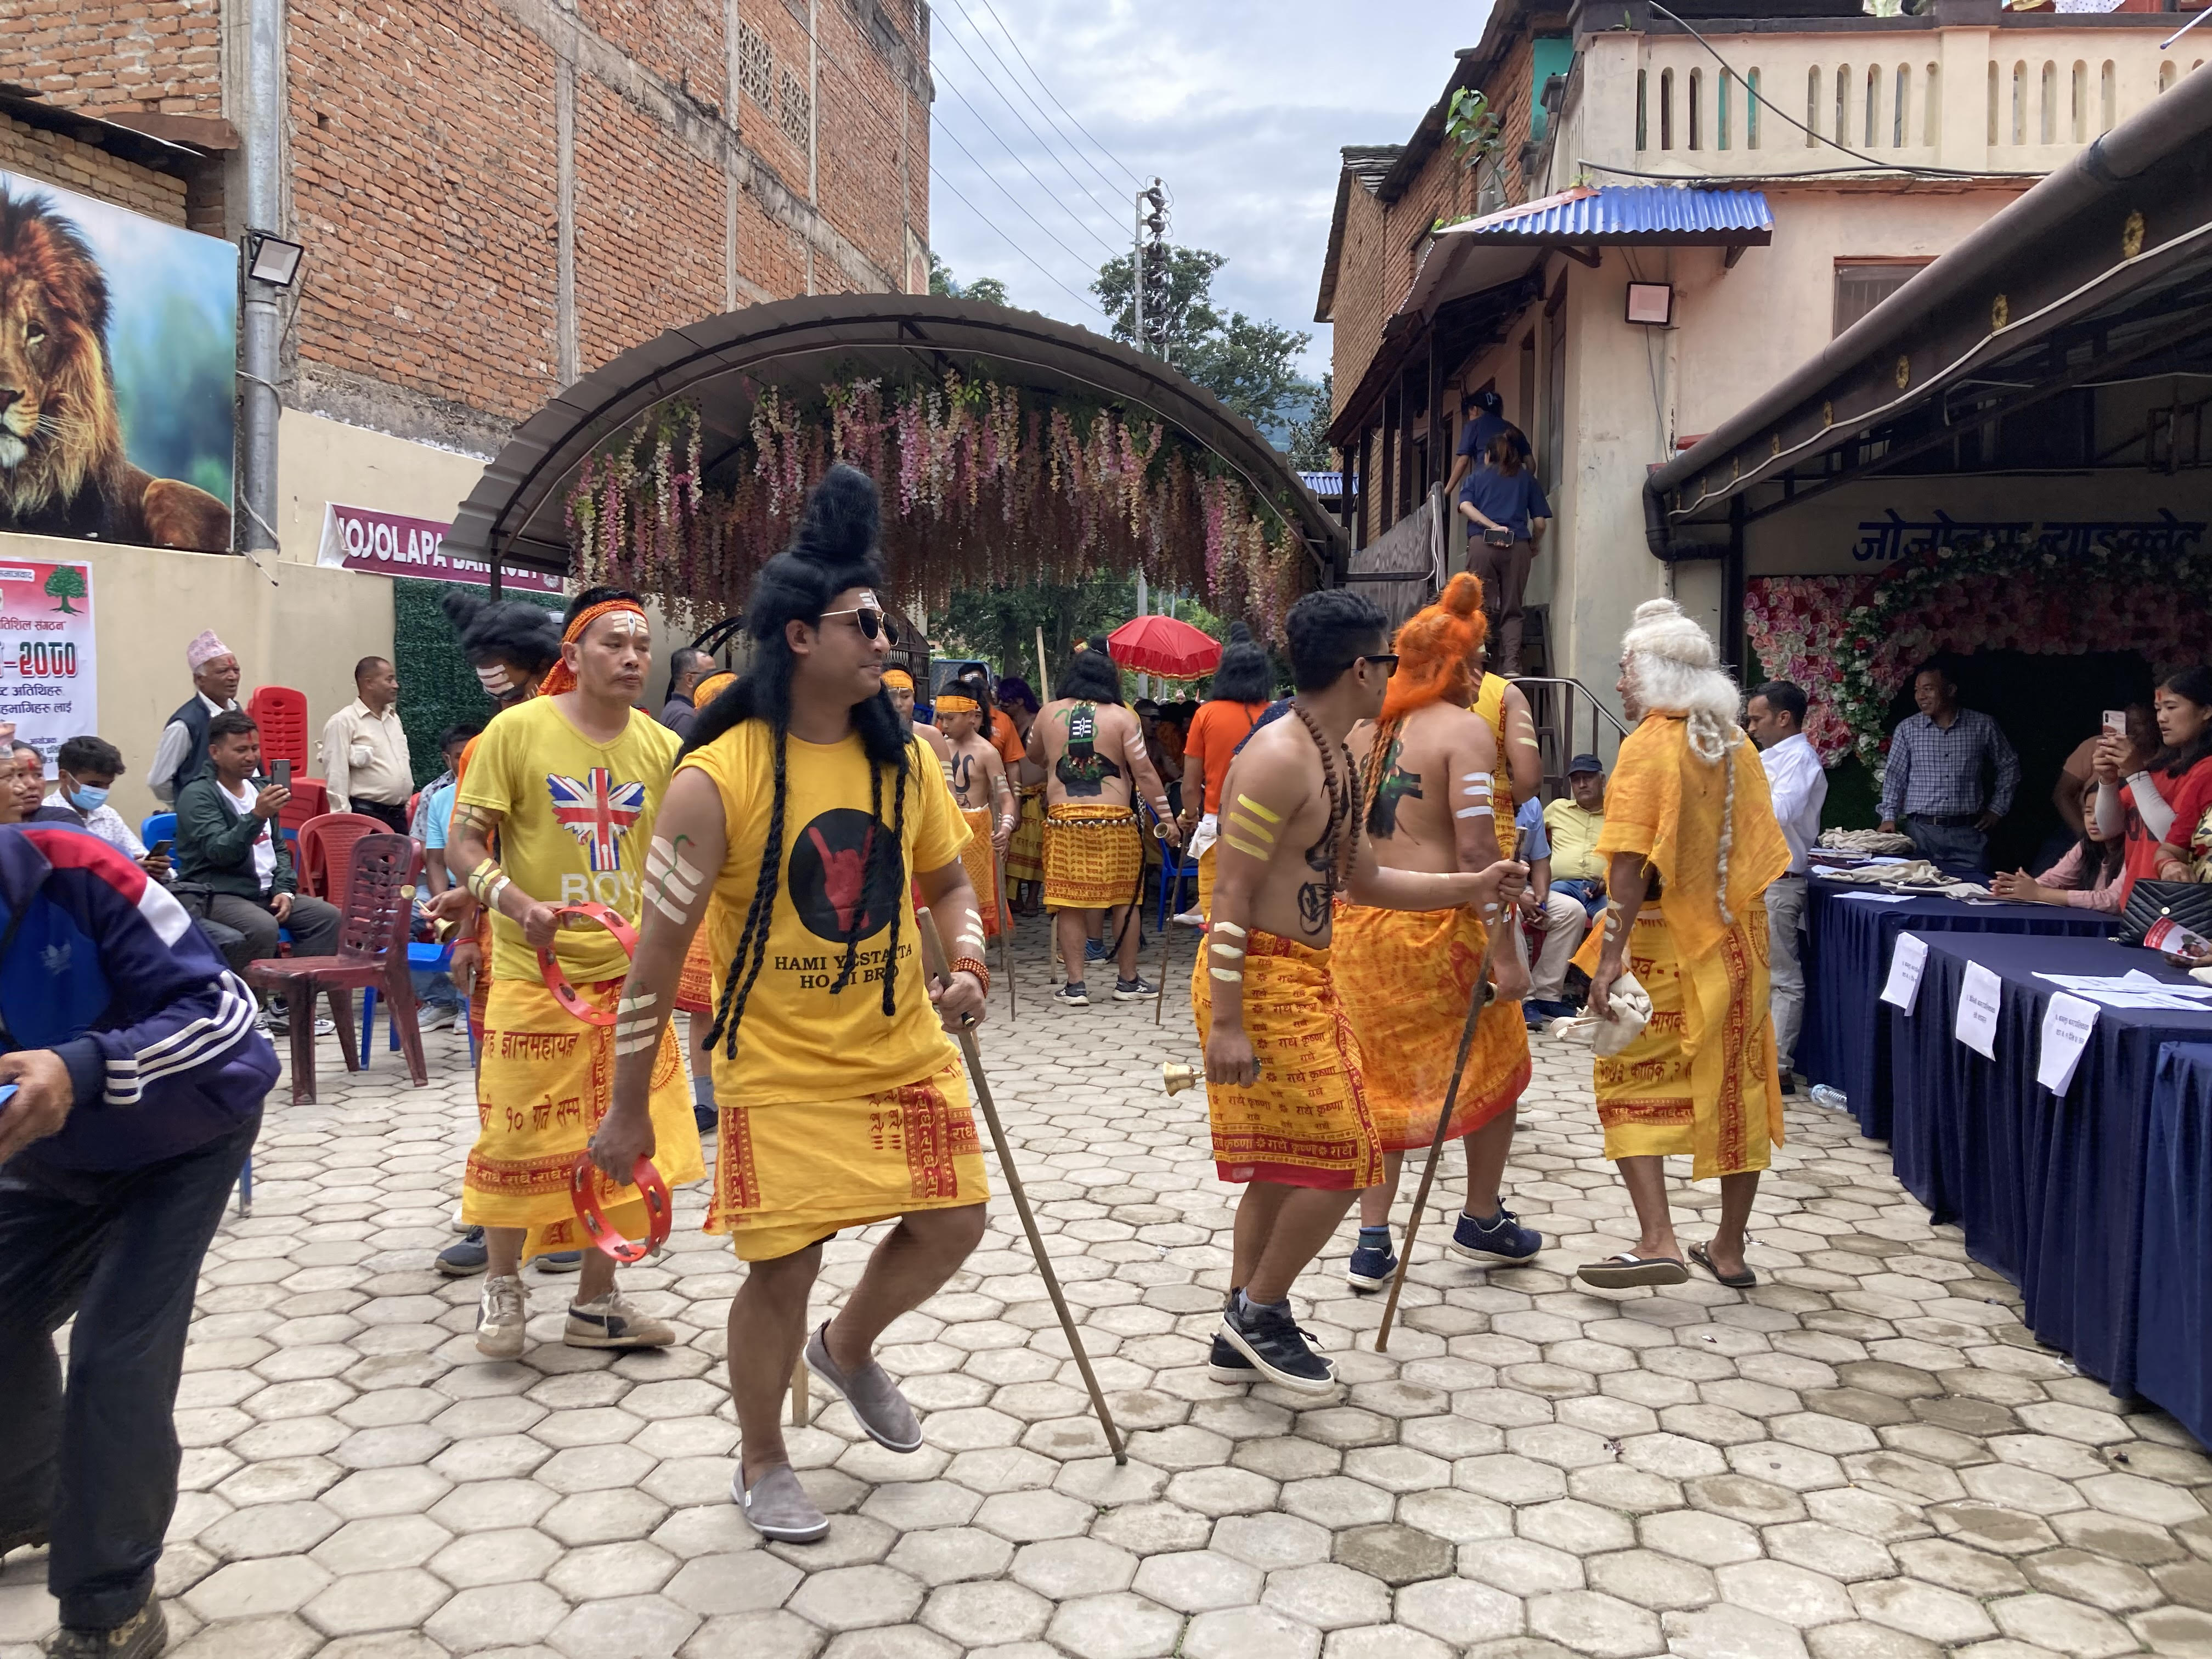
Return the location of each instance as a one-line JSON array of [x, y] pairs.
[[1241, 106]]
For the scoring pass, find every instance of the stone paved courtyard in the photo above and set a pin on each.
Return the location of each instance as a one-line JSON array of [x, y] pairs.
[[1864, 1458]]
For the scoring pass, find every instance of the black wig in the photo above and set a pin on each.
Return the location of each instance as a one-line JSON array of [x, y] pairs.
[[835, 550], [1091, 675], [1245, 675], [503, 630]]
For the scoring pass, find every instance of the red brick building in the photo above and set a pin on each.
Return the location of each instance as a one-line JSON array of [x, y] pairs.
[[495, 196]]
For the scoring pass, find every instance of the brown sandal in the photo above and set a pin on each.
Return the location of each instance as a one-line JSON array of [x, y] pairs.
[[1625, 1272], [1743, 1280]]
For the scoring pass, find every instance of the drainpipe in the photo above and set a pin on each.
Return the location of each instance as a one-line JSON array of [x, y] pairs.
[[261, 331]]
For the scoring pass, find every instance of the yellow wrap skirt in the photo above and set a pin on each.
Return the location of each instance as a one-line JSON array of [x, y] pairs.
[[1093, 857], [1406, 978], [544, 1081], [980, 860], [1025, 852], [1305, 1121], [1700, 1080], [790, 1174]]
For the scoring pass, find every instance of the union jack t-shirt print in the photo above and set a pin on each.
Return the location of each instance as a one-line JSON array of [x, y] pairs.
[[598, 812]]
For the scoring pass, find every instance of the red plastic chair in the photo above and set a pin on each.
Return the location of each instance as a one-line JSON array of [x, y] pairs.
[[311, 798], [371, 951], [281, 715], [326, 845]]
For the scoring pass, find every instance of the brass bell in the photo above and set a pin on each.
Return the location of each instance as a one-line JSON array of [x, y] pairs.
[[1178, 1077]]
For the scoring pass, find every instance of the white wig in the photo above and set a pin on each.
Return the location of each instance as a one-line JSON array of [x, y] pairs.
[[1672, 666]]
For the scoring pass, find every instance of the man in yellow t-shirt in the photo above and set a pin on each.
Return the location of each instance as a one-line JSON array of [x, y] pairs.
[[569, 782], [802, 817], [1576, 893]]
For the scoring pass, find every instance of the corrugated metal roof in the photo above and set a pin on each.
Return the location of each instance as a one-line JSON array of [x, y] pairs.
[[1612, 211], [1323, 483]]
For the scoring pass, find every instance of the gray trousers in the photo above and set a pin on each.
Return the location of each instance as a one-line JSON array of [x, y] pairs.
[[314, 925], [1961, 845], [1785, 917], [1505, 574]]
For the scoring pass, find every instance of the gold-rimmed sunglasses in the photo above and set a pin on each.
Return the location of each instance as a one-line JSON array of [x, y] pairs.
[[869, 621]]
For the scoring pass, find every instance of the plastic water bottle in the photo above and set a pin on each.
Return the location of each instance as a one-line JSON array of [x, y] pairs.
[[1833, 1099]]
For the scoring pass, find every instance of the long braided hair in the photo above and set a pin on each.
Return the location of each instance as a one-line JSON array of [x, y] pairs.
[[833, 550]]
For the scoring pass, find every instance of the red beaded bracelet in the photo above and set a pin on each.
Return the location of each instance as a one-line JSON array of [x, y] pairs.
[[970, 965]]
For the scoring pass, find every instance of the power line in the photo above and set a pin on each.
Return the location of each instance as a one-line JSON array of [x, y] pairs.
[[1008, 194], [1114, 213], [1061, 106], [938, 174], [1050, 193]]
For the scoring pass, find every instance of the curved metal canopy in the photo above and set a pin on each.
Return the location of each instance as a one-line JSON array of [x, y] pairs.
[[516, 514]]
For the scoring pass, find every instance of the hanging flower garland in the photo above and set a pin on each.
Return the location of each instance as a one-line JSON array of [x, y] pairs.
[[981, 485], [1851, 641]]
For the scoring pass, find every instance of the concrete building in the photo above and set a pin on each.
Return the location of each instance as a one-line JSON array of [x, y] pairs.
[[1772, 180]]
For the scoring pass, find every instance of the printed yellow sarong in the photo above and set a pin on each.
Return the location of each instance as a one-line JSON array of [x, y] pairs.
[[1025, 852], [544, 1080], [1093, 856], [789, 1176], [695, 987], [980, 861], [1207, 873], [1700, 1080], [1305, 1122], [1406, 978]]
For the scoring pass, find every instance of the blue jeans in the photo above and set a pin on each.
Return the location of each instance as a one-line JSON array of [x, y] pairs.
[[96, 1462], [1954, 847]]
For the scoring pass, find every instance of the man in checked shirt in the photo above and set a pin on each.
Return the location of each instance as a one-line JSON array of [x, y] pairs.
[[1935, 781]]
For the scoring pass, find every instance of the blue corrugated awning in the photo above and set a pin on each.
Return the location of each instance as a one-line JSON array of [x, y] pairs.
[[1323, 483], [1657, 214]]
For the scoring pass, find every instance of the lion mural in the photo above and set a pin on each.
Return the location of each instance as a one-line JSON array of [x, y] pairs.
[[63, 472]]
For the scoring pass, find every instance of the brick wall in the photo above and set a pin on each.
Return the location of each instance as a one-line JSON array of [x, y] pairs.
[[162, 55], [60, 160], [1359, 307], [426, 168]]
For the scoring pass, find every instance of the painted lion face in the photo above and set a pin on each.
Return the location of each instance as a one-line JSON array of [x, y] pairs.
[[58, 420]]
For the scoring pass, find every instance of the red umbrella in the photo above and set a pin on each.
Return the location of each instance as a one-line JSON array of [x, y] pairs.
[[1164, 645]]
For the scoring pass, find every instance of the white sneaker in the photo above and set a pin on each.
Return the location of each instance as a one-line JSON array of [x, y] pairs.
[[611, 1323], [501, 1317], [1190, 919]]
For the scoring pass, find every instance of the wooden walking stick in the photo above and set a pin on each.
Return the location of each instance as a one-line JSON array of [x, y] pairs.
[[1475, 1008], [933, 960], [1006, 919]]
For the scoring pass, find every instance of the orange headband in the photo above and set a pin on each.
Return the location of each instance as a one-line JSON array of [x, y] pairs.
[[959, 705], [1434, 649], [710, 688], [562, 678], [898, 679]]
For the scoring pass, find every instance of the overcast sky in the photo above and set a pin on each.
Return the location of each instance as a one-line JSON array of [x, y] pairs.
[[1241, 106]]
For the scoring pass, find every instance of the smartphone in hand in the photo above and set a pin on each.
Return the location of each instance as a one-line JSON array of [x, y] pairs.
[[2116, 722], [280, 772]]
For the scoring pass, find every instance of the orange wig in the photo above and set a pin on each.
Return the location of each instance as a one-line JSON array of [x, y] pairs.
[[1434, 651]]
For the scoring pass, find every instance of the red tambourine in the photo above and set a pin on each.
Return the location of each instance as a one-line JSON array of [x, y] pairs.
[[583, 1193], [549, 969]]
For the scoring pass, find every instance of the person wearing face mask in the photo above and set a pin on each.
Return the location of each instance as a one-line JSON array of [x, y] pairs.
[[88, 768]]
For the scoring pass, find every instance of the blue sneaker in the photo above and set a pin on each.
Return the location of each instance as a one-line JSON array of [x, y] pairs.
[[1501, 1238], [1226, 1364], [1370, 1267], [465, 1256], [1094, 950]]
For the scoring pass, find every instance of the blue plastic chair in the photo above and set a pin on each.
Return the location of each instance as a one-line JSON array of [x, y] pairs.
[[1175, 870], [158, 826], [426, 958]]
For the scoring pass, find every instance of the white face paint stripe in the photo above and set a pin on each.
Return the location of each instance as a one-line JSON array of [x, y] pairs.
[[679, 917], [1482, 778], [1224, 972], [1231, 928], [1228, 950], [493, 679], [1474, 812], [639, 999]]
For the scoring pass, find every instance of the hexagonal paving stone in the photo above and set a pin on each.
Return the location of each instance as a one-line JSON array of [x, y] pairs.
[[1328, 1596], [1249, 1633], [1458, 1611], [1116, 1627], [1197, 1580]]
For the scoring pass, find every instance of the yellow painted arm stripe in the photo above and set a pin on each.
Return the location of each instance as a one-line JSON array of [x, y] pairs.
[[1251, 805]]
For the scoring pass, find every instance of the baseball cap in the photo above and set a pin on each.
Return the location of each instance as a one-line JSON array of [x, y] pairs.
[[1584, 763]]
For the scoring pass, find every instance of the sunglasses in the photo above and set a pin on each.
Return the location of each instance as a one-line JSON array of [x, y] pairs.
[[1387, 659], [869, 621]]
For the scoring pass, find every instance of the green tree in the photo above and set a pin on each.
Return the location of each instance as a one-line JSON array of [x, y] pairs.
[[987, 290], [1309, 446], [999, 625], [66, 583], [1251, 365]]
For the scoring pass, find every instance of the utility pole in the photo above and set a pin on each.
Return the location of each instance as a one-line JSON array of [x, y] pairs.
[[1149, 270]]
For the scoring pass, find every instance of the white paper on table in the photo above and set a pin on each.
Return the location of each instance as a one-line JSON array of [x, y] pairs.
[[2136, 979], [1880, 898], [2146, 999], [2067, 1023], [1980, 992], [1904, 968]]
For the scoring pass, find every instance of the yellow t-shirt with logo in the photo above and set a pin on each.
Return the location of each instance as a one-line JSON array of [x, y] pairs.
[[798, 1042], [575, 817]]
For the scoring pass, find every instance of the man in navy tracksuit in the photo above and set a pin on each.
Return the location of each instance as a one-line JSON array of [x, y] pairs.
[[139, 1072]]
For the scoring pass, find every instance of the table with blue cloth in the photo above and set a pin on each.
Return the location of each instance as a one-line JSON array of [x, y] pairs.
[[2173, 1337], [2048, 1189], [1845, 1042]]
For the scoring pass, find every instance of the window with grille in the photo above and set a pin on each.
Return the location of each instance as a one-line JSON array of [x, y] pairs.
[[794, 110], [1863, 285], [756, 67]]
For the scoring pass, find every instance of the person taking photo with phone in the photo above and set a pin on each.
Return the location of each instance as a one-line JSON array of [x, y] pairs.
[[228, 842]]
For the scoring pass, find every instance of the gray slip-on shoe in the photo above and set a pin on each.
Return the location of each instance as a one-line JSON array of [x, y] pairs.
[[777, 1506], [875, 1398]]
